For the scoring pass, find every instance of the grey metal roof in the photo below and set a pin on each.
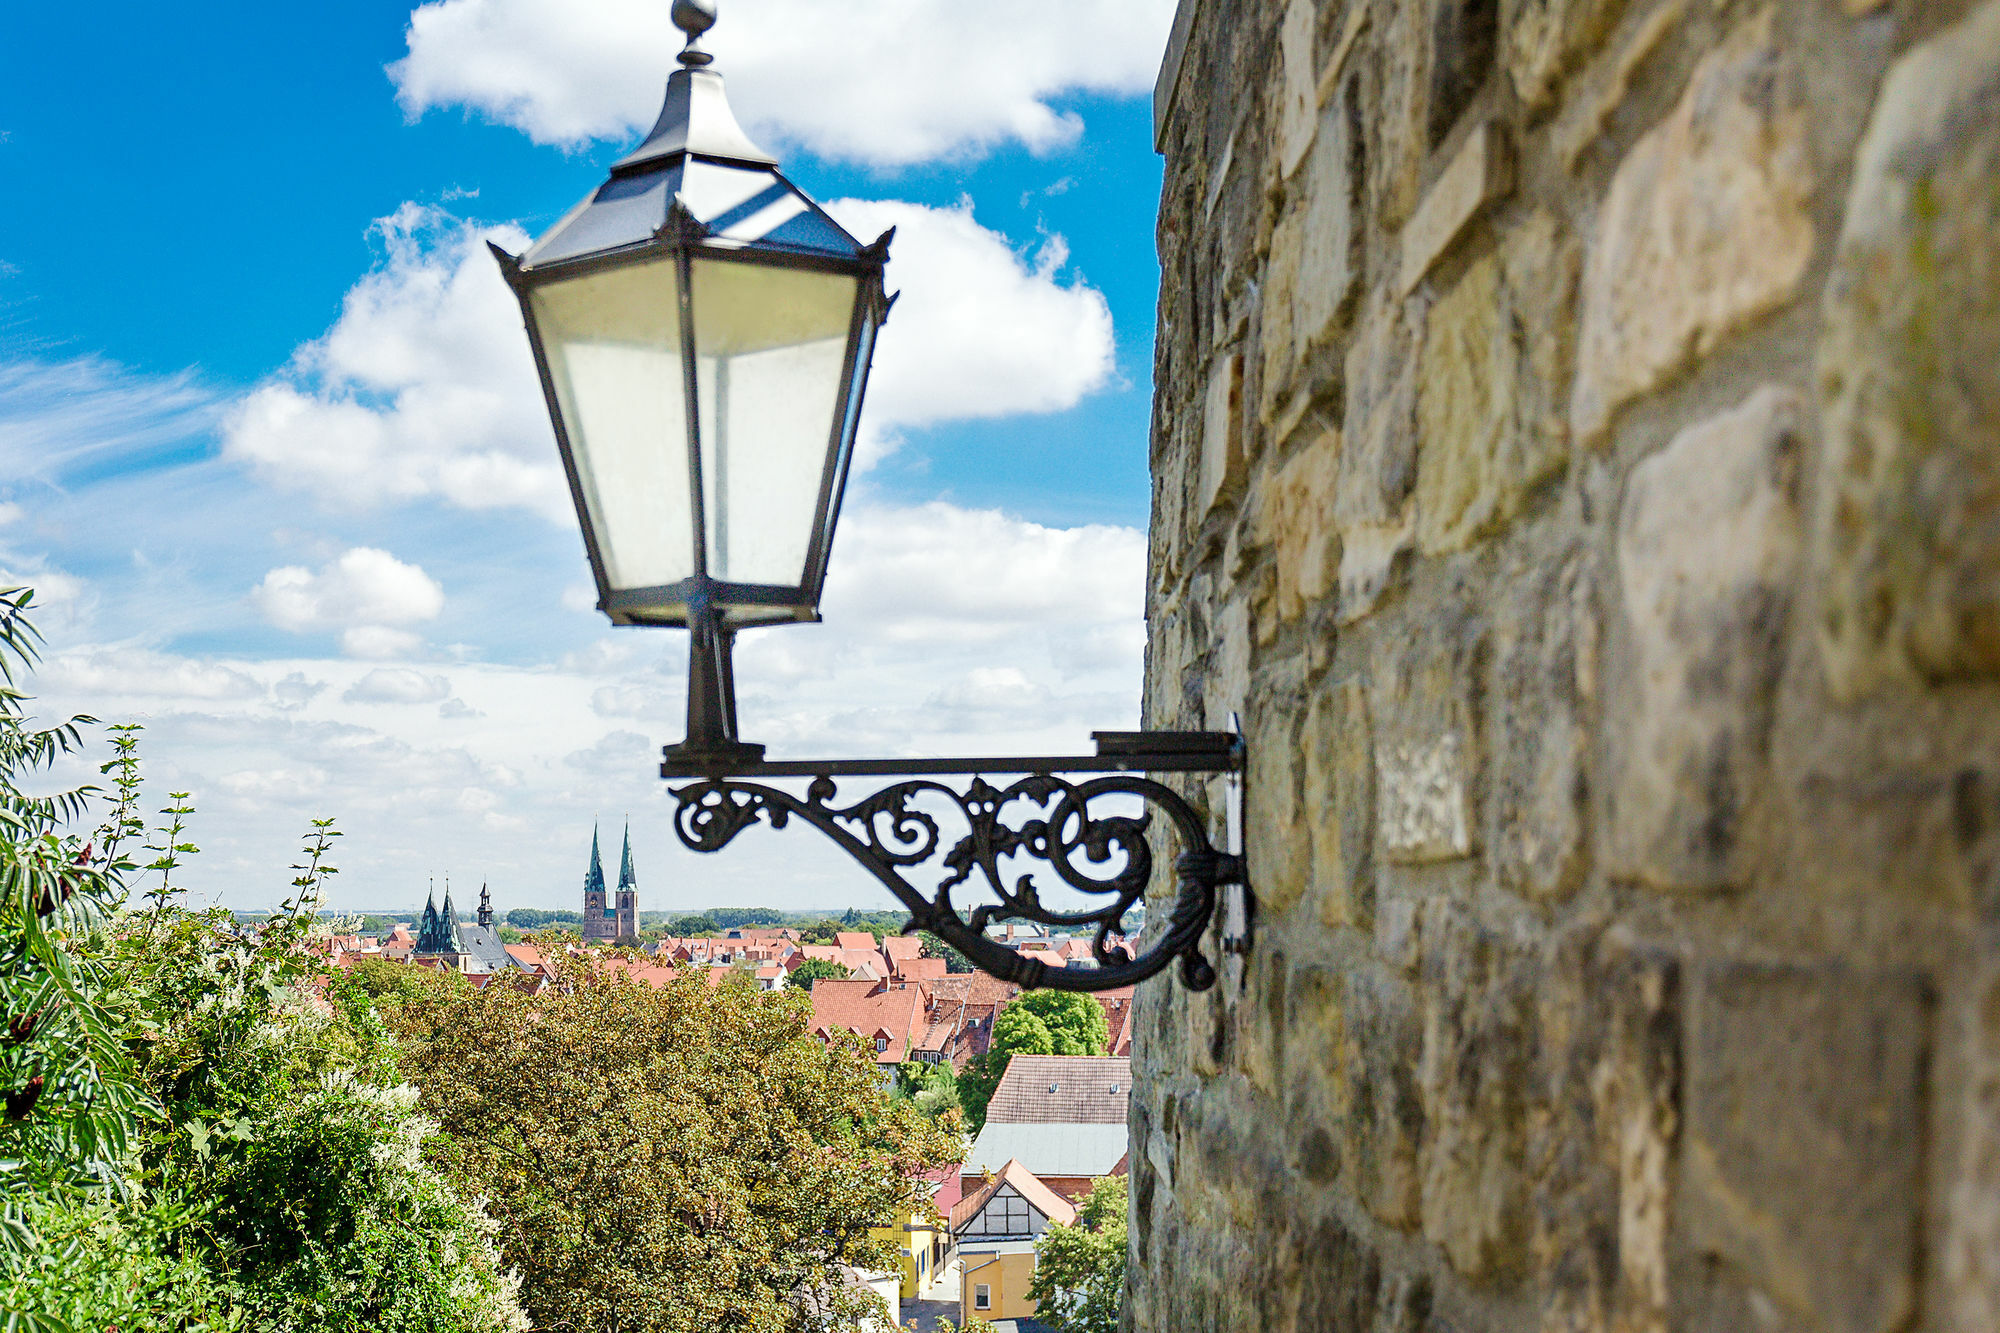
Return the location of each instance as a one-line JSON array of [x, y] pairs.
[[698, 154], [1049, 1149], [485, 945]]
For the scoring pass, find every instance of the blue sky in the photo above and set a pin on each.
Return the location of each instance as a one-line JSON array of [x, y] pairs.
[[268, 451]]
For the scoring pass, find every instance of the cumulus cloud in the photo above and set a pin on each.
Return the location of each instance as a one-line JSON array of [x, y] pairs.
[[365, 594], [398, 685], [979, 330], [881, 84], [425, 386]]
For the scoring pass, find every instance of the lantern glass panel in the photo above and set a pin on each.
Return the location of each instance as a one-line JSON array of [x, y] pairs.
[[613, 343], [770, 347]]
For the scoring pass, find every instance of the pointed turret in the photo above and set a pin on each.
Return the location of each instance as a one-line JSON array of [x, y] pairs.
[[485, 908], [593, 882], [626, 879]]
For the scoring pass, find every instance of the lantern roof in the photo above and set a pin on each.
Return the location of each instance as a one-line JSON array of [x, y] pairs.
[[699, 156]]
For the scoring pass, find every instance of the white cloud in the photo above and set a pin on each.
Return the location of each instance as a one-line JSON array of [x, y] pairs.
[[425, 387], [978, 331], [364, 594], [398, 685], [886, 84], [138, 673]]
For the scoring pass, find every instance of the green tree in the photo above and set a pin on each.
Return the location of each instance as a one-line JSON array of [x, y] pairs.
[[954, 961], [1042, 1022], [694, 925], [815, 969], [682, 1158], [535, 918], [1080, 1269]]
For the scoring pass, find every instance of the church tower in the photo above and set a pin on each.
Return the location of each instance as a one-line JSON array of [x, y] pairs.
[[485, 917], [628, 892], [598, 921]]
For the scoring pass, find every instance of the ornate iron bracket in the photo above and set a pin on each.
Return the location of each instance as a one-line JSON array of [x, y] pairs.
[[890, 834]]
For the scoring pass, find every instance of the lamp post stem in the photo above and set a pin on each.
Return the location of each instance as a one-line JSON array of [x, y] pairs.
[[711, 723]]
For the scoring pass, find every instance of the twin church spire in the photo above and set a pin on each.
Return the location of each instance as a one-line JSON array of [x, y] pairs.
[[606, 917]]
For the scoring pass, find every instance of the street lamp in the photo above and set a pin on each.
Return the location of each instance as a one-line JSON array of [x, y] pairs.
[[703, 331]]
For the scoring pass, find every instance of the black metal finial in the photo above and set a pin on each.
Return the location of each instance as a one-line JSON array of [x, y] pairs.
[[694, 17]]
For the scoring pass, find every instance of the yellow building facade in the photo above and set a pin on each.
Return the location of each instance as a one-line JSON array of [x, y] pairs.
[[994, 1279], [920, 1247]]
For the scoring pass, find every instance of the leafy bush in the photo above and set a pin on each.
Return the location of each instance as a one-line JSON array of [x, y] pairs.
[[1080, 1269]]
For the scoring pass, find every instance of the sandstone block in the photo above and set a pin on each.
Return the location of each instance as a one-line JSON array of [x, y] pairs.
[[1706, 227], [1477, 1062], [1496, 352], [1544, 682], [1480, 174], [1908, 543], [1224, 463], [1604, 1132], [1708, 543], [1425, 706], [1972, 1238], [1385, 1114], [1340, 803], [1378, 470], [1545, 38], [1314, 268], [1297, 94], [1297, 522], [1805, 1124], [1397, 142], [1273, 812]]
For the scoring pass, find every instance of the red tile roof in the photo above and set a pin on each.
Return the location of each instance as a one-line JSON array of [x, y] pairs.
[[902, 946], [854, 939], [865, 1007], [1062, 1089]]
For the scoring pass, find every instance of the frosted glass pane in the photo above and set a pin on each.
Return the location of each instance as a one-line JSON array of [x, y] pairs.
[[770, 345], [614, 347]]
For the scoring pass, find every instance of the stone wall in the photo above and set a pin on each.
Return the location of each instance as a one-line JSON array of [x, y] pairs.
[[1577, 458]]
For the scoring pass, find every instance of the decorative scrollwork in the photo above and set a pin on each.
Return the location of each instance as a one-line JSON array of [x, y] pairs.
[[1104, 856]]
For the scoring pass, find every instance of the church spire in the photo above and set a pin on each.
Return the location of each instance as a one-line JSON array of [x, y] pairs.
[[485, 908], [626, 879], [594, 881]]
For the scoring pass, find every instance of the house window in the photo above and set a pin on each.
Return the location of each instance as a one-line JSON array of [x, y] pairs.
[[881, 1044], [982, 1296]]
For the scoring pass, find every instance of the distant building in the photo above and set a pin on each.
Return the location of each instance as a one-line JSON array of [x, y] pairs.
[[1062, 1116], [604, 920], [995, 1226], [445, 941]]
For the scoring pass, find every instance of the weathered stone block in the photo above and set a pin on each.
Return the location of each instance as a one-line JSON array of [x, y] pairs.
[[1706, 226], [1425, 705], [1545, 38], [1707, 548], [1477, 1062], [1297, 522], [1224, 463], [1273, 811], [1480, 174], [1604, 1131], [1378, 468], [1400, 94], [1464, 36], [1298, 103], [1340, 803], [1314, 267], [1972, 1243], [1385, 1114], [1544, 683], [1495, 353], [1805, 1126], [1908, 542]]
